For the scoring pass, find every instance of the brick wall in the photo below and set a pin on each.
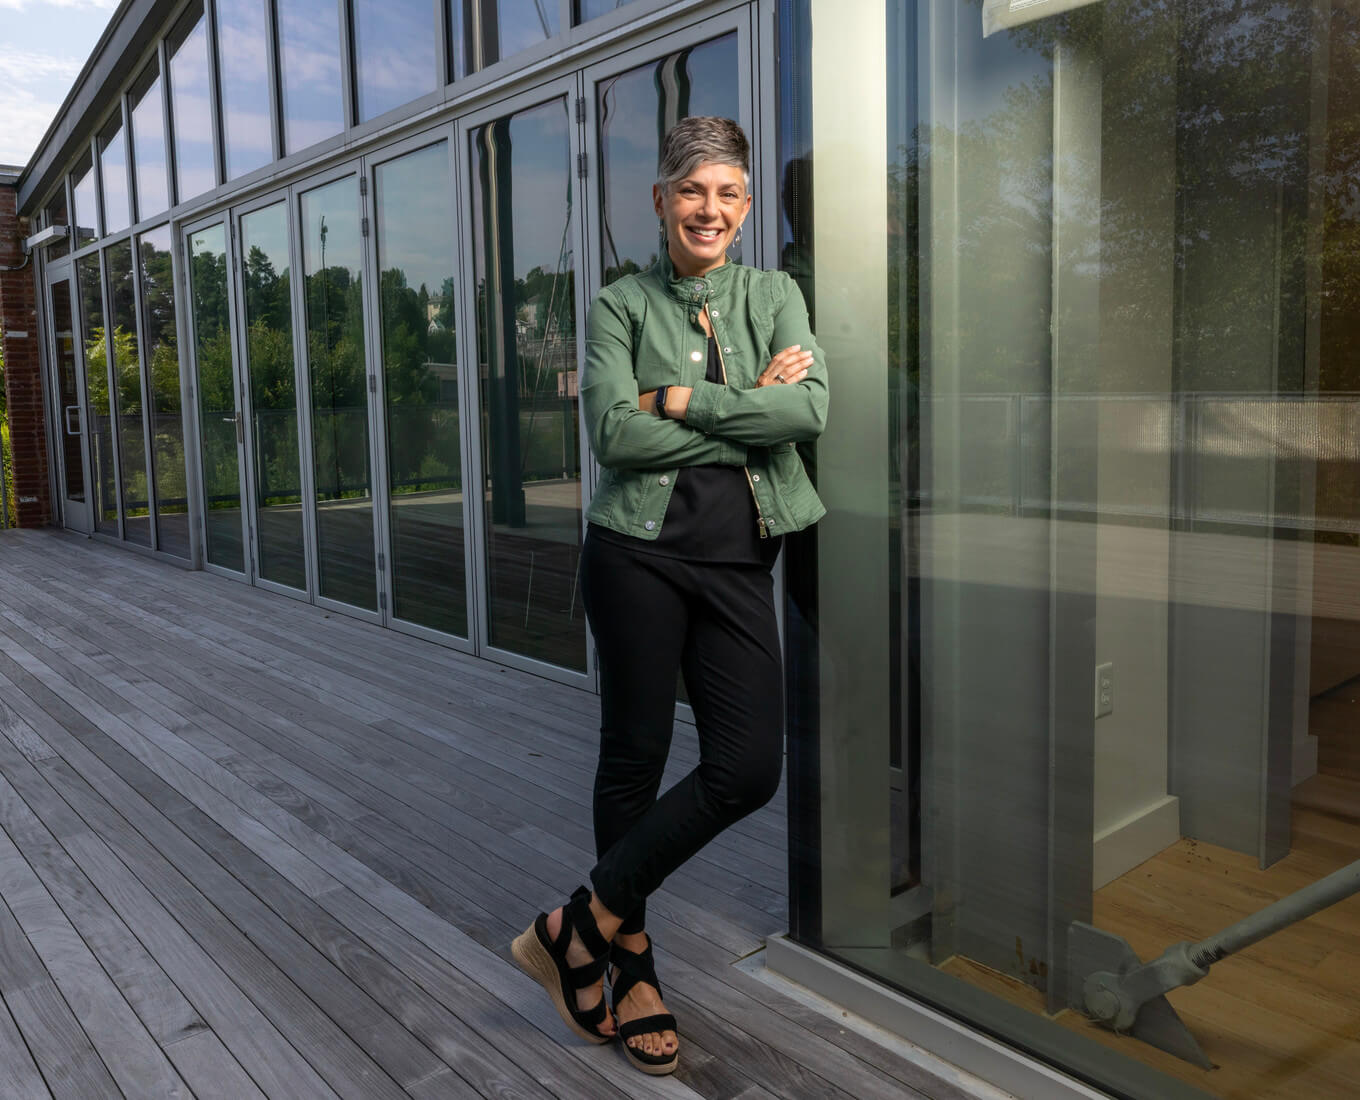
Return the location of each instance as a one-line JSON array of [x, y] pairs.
[[23, 378]]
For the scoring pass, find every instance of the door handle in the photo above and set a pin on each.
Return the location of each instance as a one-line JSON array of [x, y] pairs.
[[235, 418], [67, 414]]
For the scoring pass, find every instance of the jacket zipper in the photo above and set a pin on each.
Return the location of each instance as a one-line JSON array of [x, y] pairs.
[[722, 363]]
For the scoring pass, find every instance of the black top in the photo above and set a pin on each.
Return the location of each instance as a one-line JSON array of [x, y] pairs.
[[711, 515]]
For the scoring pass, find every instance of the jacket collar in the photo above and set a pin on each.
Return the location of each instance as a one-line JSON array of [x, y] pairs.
[[694, 288]]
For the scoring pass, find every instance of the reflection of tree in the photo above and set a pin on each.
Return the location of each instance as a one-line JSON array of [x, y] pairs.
[[159, 336]]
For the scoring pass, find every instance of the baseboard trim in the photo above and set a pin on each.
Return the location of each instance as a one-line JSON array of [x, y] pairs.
[[1140, 836]]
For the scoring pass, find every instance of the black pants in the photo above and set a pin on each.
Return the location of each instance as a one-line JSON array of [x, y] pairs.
[[651, 616]]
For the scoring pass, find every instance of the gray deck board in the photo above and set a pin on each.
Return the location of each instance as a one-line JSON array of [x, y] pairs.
[[258, 849]]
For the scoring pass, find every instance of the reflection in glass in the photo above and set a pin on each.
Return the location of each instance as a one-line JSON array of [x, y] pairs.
[[335, 358], [68, 387], [507, 27], [148, 145], [219, 422], [309, 53], [191, 118], [526, 337], [635, 110], [395, 58], [113, 172], [105, 509], [243, 53], [593, 9], [86, 204], [162, 364], [127, 374], [273, 395], [416, 258], [54, 213]]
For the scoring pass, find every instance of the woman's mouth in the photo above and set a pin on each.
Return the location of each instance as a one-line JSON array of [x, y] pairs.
[[702, 233]]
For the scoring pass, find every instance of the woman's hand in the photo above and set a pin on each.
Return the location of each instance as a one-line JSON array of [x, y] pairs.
[[788, 367]]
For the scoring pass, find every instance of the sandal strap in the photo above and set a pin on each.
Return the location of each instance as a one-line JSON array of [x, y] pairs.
[[587, 973], [583, 921], [646, 1025], [591, 1018], [633, 967]]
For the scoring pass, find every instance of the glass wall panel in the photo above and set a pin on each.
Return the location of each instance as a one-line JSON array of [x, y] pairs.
[[105, 508], [331, 265], [395, 54], [309, 55], [416, 261], [68, 386], [273, 395], [1085, 679], [127, 373], [113, 173], [167, 420], [218, 415], [54, 213], [502, 28], [148, 145], [191, 116], [635, 109], [86, 202], [245, 77], [524, 251], [593, 9]]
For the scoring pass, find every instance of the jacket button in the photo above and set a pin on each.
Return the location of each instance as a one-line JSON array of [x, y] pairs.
[[713, 313], [664, 480], [755, 477], [696, 355], [650, 525], [769, 523], [727, 351]]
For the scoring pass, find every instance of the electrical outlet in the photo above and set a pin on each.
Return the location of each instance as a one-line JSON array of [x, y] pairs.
[[1104, 689]]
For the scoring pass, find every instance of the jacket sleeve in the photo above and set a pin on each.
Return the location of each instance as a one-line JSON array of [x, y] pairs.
[[622, 436], [769, 415]]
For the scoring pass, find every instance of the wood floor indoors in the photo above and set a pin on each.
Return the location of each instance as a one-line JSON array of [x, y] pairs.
[[249, 848]]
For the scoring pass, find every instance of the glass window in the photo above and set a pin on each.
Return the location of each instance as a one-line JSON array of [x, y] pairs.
[[113, 174], [219, 419], [83, 193], [502, 28], [309, 54], [191, 117], [128, 406], [416, 261], [97, 393], [524, 251], [395, 54], [593, 9], [1085, 683], [265, 277], [148, 145], [331, 265], [54, 213], [246, 74], [162, 366]]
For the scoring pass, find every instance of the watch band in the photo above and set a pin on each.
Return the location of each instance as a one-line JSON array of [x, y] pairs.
[[661, 392]]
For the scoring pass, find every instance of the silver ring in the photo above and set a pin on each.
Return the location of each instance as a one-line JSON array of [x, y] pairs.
[[779, 378]]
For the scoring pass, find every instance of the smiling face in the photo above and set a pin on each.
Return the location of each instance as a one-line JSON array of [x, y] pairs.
[[702, 212]]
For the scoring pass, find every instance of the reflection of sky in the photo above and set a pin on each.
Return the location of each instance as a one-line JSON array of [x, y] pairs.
[[987, 67], [628, 125], [593, 9], [522, 23], [540, 186], [338, 203], [113, 166], [245, 85], [148, 143], [267, 230], [84, 200], [309, 44], [190, 117], [415, 217], [395, 41]]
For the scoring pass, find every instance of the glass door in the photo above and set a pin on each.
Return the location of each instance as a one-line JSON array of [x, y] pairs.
[[70, 405], [217, 390], [523, 294]]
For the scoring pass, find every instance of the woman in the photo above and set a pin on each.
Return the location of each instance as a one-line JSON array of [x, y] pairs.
[[693, 419]]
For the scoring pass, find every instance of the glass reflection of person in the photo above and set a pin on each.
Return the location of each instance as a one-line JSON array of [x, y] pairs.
[[693, 416]]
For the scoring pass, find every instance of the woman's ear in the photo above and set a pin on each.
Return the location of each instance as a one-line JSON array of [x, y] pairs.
[[658, 197]]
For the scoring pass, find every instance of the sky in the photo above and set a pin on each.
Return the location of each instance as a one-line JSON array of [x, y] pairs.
[[43, 46]]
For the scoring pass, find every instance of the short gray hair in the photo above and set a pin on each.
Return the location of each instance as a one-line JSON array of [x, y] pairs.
[[702, 139]]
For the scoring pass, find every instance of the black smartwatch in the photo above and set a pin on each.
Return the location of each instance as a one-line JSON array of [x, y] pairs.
[[661, 392]]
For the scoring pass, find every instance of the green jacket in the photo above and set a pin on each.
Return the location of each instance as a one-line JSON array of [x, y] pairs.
[[643, 332]]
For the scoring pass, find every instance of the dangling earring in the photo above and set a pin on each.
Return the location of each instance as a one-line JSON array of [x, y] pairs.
[[735, 241], [661, 232]]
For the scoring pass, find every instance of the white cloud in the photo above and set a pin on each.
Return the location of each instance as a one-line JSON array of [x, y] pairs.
[[29, 5], [20, 67], [26, 120]]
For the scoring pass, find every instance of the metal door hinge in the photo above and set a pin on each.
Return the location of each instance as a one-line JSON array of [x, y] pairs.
[[363, 228], [580, 108], [372, 383], [382, 600], [363, 185], [382, 564], [581, 165]]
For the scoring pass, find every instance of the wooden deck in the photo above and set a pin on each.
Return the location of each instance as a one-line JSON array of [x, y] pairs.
[[250, 848]]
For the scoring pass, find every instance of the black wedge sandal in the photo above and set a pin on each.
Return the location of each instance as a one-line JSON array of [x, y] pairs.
[[631, 968], [545, 960]]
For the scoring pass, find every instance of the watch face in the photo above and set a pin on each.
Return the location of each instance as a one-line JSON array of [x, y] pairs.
[[661, 392]]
